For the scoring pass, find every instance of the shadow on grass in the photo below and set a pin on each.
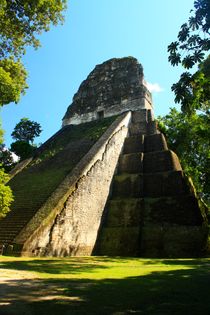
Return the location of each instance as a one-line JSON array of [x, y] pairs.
[[180, 292], [194, 262], [89, 264], [53, 266]]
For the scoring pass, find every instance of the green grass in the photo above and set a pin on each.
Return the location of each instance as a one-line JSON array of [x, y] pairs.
[[104, 285]]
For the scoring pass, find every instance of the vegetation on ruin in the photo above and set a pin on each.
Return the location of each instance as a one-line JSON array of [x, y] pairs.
[[104, 285], [53, 161]]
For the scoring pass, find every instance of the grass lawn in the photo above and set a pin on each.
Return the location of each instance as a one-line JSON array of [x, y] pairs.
[[104, 285]]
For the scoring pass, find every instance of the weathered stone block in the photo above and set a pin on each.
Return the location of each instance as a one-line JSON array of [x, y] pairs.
[[164, 184], [185, 241], [151, 243], [114, 241], [150, 115], [161, 161], [180, 210], [131, 163], [172, 241], [138, 128], [152, 127], [155, 142], [128, 185], [134, 144], [124, 213], [139, 116]]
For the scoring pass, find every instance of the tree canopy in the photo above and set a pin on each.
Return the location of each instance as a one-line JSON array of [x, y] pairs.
[[26, 130], [6, 196], [24, 133], [6, 158], [21, 22], [189, 50], [12, 81]]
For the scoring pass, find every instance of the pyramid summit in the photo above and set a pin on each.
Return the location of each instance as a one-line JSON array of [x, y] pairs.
[[113, 87], [106, 183]]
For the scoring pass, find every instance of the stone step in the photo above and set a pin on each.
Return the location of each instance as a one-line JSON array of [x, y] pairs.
[[123, 212], [12, 223], [155, 142], [131, 163], [151, 162], [145, 143], [179, 210], [161, 161], [145, 128], [9, 223], [17, 217], [164, 184], [171, 240], [142, 115], [149, 185], [10, 228], [138, 129], [127, 186], [7, 238], [118, 241], [8, 232], [134, 144]]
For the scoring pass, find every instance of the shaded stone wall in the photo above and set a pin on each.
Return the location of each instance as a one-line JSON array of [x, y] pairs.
[[153, 210], [68, 223], [113, 87]]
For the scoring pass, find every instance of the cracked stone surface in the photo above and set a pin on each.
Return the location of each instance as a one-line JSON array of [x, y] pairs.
[[111, 88]]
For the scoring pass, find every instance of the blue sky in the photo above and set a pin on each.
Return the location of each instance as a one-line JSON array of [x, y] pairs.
[[95, 31]]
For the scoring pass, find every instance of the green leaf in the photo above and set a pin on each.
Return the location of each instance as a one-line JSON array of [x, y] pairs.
[[188, 62], [183, 33], [174, 59], [173, 47]]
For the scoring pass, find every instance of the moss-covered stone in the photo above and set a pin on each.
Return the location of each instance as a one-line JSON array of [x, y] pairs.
[[182, 210], [124, 212], [122, 241]]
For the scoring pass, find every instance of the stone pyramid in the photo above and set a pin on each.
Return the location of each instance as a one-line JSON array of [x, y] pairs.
[[106, 183]]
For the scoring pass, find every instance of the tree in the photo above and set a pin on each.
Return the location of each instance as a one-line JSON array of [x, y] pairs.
[[190, 50], [6, 158], [24, 133], [189, 137], [22, 149], [12, 81], [26, 130], [6, 196], [21, 22]]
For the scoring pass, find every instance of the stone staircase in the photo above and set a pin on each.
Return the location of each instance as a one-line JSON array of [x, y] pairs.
[[15, 220], [152, 210]]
